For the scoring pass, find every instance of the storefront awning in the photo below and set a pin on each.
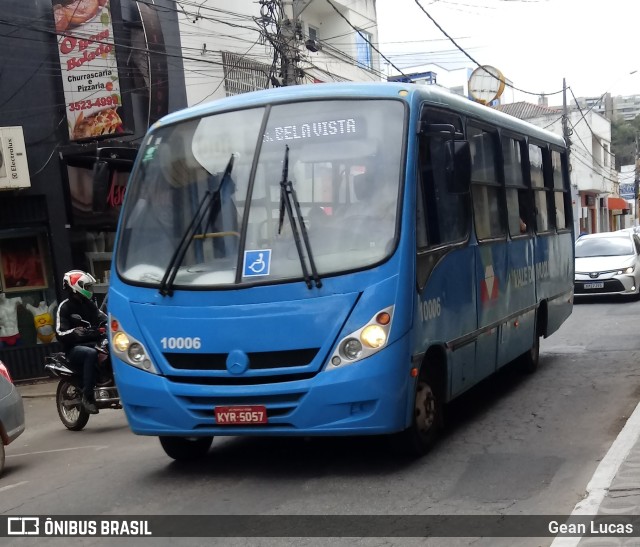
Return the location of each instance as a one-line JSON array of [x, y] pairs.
[[617, 203]]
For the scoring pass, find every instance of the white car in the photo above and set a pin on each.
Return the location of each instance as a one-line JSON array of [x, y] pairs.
[[607, 263]]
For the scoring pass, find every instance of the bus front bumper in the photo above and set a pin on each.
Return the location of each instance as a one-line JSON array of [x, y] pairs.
[[365, 398]]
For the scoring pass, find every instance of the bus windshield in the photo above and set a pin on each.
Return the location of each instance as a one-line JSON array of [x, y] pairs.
[[344, 163]]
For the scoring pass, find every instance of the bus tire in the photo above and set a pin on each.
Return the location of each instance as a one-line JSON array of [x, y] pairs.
[[186, 449], [530, 359], [427, 421]]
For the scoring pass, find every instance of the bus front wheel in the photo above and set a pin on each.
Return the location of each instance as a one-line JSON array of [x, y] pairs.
[[186, 449], [427, 420]]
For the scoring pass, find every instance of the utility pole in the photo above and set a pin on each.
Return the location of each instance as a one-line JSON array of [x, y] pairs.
[[565, 117], [291, 36], [636, 182], [566, 133]]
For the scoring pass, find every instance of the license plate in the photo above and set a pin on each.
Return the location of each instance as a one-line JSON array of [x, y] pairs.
[[234, 415], [596, 285]]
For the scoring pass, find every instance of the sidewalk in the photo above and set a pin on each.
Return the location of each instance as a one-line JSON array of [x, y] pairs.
[[614, 488], [37, 388]]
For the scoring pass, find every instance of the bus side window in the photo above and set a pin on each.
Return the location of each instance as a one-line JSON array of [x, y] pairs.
[[518, 203], [558, 190], [542, 186], [441, 214], [486, 190]]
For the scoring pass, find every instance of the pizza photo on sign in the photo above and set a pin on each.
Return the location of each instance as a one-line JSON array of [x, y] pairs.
[[73, 13], [105, 122]]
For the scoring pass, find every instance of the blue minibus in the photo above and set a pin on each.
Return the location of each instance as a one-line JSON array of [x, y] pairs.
[[335, 259]]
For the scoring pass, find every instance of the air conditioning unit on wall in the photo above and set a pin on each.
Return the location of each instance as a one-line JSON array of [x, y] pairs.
[[14, 168]]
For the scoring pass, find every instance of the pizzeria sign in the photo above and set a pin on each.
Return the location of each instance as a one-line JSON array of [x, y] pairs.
[[88, 66]]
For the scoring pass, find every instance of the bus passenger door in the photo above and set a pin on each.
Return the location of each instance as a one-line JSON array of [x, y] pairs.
[[445, 261]]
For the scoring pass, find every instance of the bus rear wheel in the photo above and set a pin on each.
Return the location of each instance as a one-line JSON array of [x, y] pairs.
[[530, 359], [427, 420], [186, 449]]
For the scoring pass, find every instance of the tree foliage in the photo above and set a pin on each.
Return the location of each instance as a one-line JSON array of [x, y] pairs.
[[623, 140]]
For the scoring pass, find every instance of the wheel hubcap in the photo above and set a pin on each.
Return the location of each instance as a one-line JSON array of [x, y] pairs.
[[71, 412], [425, 409]]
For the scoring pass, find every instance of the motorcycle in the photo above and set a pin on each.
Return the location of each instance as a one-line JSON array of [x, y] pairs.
[[69, 392]]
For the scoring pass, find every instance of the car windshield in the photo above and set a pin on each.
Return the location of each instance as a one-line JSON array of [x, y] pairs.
[[603, 246], [344, 163]]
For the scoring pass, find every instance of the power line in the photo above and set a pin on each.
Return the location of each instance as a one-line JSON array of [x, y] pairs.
[[585, 121], [473, 60], [365, 38], [222, 80]]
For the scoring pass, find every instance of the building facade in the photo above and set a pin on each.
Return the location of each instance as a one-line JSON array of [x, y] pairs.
[[86, 79], [230, 48], [625, 107]]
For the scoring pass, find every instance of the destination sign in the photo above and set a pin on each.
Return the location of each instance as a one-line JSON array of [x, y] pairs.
[[324, 129]]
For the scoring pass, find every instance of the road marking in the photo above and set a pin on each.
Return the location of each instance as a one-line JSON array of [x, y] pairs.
[[93, 446], [606, 471], [10, 486]]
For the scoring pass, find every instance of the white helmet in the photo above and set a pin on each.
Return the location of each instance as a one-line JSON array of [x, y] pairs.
[[79, 282]]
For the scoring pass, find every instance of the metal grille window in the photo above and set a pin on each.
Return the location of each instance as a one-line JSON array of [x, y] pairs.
[[242, 75]]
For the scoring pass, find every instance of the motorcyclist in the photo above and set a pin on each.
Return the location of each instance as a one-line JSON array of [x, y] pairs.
[[79, 339]]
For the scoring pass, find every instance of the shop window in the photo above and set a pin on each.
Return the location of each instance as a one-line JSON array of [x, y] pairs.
[[27, 296], [88, 209]]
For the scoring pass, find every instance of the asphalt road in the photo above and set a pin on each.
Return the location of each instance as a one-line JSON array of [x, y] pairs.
[[515, 445]]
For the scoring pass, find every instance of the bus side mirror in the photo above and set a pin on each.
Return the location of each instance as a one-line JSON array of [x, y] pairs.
[[458, 166], [101, 174]]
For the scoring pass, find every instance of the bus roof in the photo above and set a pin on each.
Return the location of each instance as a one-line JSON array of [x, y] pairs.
[[412, 93]]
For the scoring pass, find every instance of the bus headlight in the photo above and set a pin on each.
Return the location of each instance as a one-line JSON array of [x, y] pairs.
[[136, 352], [121, 342], [373, 336], [352, 348], [128, 349], [358, 345]]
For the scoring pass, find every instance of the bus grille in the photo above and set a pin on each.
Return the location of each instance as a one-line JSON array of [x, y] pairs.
[[257, 360], [239, 380]]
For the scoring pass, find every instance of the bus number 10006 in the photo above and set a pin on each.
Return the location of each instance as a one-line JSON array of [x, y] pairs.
[[180, 342]]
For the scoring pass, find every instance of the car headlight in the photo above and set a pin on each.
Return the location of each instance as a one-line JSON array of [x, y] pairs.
[[371, 338], [128, 349], [629, 269]]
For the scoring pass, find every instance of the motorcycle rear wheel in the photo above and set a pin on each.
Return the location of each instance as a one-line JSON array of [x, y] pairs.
[[74, 417]]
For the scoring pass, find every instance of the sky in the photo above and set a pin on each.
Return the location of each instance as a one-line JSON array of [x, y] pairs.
[[534, 43]]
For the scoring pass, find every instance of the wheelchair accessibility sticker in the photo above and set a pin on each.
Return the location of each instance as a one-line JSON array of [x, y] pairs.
[[256, 263]]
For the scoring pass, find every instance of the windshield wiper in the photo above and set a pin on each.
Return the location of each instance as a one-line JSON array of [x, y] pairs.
[[287, 195], [166, 285]]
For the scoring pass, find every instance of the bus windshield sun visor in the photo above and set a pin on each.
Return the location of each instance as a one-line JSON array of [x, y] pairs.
[[209, 198], [287, 196]]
